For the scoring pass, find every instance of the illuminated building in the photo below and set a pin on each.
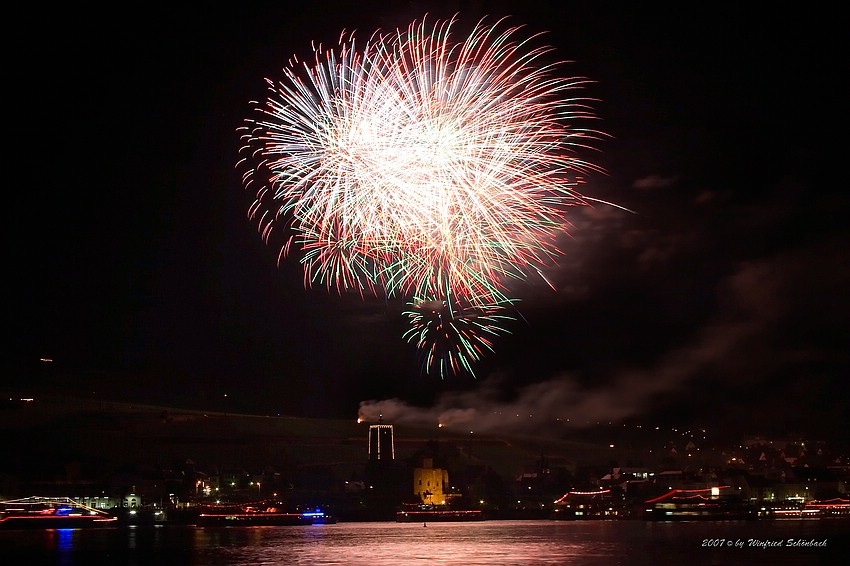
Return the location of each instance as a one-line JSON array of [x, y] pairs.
[[429, 483]]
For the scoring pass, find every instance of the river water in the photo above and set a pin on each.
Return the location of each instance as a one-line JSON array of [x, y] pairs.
[[585, 543]]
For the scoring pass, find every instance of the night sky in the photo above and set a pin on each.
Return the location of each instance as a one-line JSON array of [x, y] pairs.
[[721, 298]]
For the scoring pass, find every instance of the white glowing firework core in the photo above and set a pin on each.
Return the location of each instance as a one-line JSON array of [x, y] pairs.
[[421, 166]]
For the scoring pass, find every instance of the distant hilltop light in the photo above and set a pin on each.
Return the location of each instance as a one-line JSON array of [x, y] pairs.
[[46, 360]]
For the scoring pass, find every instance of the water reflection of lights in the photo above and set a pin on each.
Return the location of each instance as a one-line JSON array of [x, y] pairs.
[[63, 539]]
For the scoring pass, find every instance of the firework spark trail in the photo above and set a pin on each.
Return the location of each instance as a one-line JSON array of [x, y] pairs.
[[419, 166], [452, 341]]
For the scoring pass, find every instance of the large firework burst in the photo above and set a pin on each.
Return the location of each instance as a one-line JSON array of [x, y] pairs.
[[422, 167]]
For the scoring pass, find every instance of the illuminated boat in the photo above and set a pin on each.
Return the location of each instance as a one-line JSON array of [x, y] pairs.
[[790, 510], [817, 509], [830, 508], [319, 517], [257, 515], [51, 513], [698, 504], [436, 513], [583, 505]]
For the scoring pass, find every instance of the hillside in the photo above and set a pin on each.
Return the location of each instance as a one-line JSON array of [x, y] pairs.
[[45, 436]]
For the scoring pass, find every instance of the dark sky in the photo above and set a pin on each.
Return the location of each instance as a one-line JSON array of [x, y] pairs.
[[721, 298]]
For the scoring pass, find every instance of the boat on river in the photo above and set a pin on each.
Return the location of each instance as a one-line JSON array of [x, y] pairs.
[[436, 513], [51, 513], [816, 509], [255, 515], [586, 505], [699, 504]]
